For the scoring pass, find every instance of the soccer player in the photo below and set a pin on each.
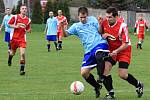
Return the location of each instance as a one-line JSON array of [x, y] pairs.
[[139, 29], [7, 28], [61, 18], [51, 30], [116, 33], [95, 47], [21, 24]]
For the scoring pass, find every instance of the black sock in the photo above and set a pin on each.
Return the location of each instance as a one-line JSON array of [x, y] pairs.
[[140, 45], [132, 80], [60, 44], [48, 46], [92, 81], [108, 83], [55, 44], [22, 65]]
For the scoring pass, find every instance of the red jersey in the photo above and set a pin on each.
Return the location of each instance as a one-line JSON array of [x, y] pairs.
[[120, 32], [140, 26], [19, 33], [121, 19], [60, 20]]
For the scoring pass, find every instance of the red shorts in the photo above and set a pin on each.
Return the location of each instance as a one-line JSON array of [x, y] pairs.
[[123, 56], [17, 44], [140, 36], [59, 34]]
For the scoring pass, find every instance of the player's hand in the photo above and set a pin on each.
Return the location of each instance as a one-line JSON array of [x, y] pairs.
[[105, 35], [134, 34], [147, 30], [114, 53]]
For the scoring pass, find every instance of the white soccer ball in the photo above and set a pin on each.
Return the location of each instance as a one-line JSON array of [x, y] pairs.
[[77, 87]]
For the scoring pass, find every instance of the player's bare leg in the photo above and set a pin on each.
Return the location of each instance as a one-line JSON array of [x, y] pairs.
[[11, 53], [22, 61]]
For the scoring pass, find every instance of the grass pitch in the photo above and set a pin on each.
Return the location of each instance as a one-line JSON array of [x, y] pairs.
[[49, 74]]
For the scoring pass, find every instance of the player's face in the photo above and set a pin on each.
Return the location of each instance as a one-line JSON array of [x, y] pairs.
[[141, 17], [51, 14], [23, 10], [8, 11], [111, 19], [59, 12], [83, 17]]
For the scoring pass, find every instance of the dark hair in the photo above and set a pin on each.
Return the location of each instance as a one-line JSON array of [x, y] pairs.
[[23, 5], [83, 10], [112, 10]]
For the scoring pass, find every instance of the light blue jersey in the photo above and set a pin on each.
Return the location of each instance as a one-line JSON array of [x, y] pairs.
[[87, 33], [5, 23], [52, 24]]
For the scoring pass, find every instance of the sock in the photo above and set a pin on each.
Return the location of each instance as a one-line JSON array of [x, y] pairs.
[[60, 44], [132, 80], [48, 46], [22, 65], [100, 64], [108, 83], [55, 45], [10, 58], [92, 81]]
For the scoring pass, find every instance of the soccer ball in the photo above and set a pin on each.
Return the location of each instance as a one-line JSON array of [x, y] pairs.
[[77, 87]]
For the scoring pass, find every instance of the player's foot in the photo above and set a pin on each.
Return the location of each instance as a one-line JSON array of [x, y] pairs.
[[22, 72], [139, 89], [49, 50], [97, 91], [109, 97]]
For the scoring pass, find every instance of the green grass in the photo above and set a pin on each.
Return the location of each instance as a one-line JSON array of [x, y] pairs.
[[49, 74]]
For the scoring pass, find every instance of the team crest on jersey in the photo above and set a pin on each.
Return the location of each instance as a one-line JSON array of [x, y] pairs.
[[141, 24], [22, 25], [111, 37]]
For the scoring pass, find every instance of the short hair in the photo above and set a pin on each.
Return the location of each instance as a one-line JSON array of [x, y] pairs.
[[112, 10], [83, 10], [23, 5]]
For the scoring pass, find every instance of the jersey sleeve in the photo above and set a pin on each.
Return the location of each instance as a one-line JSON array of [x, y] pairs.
[[28, 25], [12, 20], [146, 26], [136, 24], [72, 30], [124, 33]]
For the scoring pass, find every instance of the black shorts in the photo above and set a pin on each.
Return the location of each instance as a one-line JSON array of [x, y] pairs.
[[122, 64]]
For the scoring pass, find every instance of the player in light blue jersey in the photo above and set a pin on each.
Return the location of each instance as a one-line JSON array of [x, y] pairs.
[[51, 30], [7, 28], [96, 48]]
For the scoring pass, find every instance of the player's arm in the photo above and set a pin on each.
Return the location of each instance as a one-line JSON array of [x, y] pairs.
[[1, 26], [121, 48], [125, 40], [65, 33], [146, 26], [46, 28], [135, 28], [12, 24]]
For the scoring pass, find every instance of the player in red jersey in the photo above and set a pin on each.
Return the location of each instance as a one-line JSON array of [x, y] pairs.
[[139, 29], [61, 19], [21, 24], [116, 33]]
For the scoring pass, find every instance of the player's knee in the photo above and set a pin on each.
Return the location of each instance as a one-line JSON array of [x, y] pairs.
[[85, 74], [123, 75]]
